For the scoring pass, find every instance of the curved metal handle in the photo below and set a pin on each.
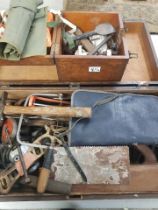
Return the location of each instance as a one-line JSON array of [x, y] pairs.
[[84, 35]]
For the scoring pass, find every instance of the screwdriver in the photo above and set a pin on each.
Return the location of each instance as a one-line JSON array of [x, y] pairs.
[[45, 171]]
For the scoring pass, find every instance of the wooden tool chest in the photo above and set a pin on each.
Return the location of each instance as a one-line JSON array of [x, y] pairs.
[[74, 68], [140, 76]]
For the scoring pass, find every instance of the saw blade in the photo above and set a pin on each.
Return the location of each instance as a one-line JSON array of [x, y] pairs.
[[101, 165]]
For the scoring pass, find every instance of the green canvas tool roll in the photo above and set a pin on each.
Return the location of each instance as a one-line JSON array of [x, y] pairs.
[[25, 33]]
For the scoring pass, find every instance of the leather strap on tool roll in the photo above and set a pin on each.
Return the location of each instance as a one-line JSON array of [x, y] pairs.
[[117, 119]]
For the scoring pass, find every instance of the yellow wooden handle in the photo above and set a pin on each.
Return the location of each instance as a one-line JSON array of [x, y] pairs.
[[43, 180]]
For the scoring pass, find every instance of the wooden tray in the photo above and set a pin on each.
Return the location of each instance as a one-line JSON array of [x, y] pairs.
[[144, 68], [139, 174]]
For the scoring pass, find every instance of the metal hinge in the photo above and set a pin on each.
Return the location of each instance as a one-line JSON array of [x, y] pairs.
[[74, 85], [143, 84], [4, 86]]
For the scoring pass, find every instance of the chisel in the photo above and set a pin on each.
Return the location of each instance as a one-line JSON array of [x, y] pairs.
[[45, 171]]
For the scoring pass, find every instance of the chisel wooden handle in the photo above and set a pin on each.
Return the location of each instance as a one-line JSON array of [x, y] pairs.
[[43, 180], [53, 111], [53, 186], [45, 171]]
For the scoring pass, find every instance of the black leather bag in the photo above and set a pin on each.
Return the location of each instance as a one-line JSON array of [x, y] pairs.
[[117, 119]]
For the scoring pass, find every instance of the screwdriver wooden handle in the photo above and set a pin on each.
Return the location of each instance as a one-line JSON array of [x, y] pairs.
[[52, 111], [43, 180], [45, 171], [53, 186]]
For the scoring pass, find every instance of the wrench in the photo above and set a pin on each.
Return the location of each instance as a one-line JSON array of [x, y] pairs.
[[107, 38], [101, 29]]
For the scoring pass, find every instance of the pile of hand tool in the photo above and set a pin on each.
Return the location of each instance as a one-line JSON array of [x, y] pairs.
[[102, 40], [31, 129], [39, 149]]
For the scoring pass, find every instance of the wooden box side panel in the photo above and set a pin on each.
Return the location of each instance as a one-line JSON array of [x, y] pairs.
[[87, 21], [78, 70], [150, 61]]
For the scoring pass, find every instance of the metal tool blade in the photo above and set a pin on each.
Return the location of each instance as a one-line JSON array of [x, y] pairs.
[[101, 165], [101, 29]]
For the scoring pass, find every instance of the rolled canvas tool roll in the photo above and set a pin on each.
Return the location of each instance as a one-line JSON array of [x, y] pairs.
[[117, 119], [22, 26]]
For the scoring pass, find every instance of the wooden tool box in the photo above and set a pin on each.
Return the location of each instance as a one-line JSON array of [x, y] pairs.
[[140, 76], [75, 68]]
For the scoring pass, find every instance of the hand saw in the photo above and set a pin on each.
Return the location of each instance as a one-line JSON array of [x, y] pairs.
[[101, 165]]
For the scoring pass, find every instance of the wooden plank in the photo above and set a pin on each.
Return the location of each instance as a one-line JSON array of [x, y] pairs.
[[86, 21], [143, 179], [34, 60], [28, 74], [152, 60], [76, 68], [23, 92]]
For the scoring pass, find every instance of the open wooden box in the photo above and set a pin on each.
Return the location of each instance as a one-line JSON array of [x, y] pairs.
[[143, 68], [74, 68], [140, 76]]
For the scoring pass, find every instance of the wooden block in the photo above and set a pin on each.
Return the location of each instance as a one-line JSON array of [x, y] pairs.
[[143, 180]]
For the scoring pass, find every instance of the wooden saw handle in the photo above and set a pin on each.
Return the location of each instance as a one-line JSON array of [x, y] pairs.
[[53, 111]]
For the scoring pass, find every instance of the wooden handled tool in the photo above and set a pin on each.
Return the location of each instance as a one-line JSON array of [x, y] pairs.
[[45, 171], [85, 42], [101, 29], [53, 186], [53, 111]]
